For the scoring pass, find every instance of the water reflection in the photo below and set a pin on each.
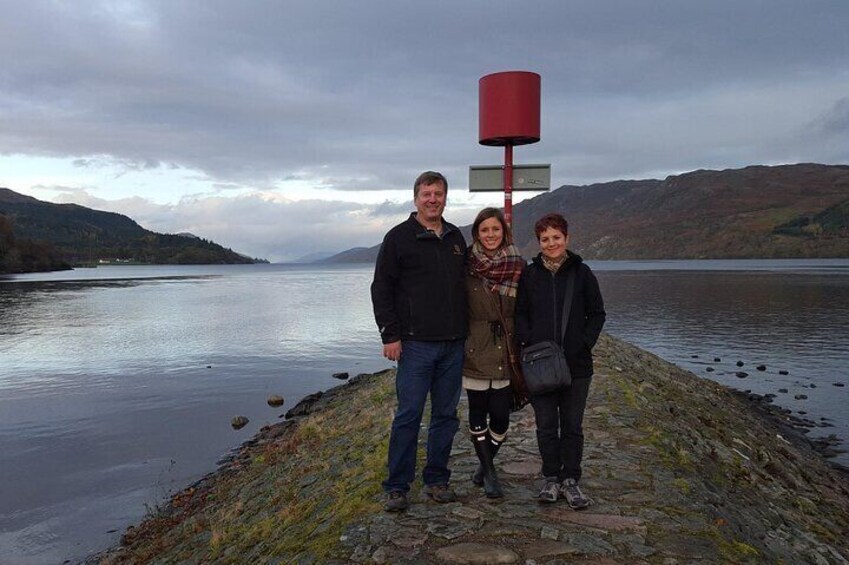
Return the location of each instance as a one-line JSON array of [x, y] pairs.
[[787, 322], [115, 389]]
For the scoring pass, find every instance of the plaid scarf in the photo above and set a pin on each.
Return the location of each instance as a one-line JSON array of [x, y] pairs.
[[501, 271], [554, 265]]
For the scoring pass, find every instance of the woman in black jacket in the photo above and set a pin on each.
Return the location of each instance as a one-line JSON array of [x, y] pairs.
[[539, 306]]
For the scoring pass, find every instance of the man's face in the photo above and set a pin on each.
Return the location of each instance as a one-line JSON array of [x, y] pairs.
[[430, 201]]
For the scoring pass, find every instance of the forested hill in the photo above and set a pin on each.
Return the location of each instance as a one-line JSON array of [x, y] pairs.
[[756, 212], [37, 235]]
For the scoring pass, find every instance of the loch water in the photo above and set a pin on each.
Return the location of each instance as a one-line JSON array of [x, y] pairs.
[[118, 383]]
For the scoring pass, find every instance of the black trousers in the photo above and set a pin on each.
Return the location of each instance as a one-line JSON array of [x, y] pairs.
[[490, 409], [560, 434]]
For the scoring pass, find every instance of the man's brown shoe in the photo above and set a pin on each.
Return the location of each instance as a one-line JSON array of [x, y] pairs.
[[440, 493], [396, 501]]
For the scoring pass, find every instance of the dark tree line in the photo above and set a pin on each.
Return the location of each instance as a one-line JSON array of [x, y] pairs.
[[25, 255]]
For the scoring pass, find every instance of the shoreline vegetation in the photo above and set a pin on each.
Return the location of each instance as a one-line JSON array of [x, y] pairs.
[[680, 468]]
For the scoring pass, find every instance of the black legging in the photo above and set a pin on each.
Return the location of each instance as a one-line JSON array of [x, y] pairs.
[[495, 403]]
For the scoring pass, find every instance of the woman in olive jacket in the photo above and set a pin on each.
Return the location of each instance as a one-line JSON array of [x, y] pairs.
[[539, 307], [491, 285]]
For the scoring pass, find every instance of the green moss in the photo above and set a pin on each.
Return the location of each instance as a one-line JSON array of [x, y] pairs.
[[294, 496]]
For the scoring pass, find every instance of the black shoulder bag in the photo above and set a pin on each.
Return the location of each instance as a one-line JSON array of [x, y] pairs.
[[544, 364]]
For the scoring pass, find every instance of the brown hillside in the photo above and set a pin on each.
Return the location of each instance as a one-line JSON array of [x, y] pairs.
[[756, 212], [704, 214]]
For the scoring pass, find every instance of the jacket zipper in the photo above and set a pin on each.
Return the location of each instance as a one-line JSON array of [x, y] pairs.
[[554, 308]]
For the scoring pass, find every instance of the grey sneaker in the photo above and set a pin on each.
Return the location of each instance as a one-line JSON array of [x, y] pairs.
[[396, 501], [550, 490], [570, 490], [440, 493]]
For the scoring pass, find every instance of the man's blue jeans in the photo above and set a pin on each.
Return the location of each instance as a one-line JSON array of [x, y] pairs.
[[425, 367]]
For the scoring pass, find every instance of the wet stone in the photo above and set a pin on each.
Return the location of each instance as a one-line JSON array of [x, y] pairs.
[[239, 422], [549, 532], [275, 400], [409, 538], [589, 544], [380, 556], [635, 544], [471, 553], [466, 512], [522, 467], [545, 548], [449, 529], [608, 522]]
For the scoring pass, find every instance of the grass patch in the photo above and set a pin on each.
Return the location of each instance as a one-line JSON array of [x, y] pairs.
[[289, 498]]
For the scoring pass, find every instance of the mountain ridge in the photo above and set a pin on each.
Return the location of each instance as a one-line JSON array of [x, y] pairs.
[[37, 236], [759, 211]]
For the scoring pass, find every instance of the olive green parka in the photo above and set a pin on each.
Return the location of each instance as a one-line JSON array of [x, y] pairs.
[[486, 348]]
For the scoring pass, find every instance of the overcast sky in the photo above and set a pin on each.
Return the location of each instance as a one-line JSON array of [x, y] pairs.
[[291, 127]]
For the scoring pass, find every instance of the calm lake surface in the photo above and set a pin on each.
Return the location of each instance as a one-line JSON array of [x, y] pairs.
[[117, 384]]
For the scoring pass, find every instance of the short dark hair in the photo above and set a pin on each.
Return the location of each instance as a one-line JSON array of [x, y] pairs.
[[555, 221], [429, 177], [486, 214]]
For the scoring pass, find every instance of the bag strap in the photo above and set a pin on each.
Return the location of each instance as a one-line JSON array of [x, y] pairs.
[[567, 302]]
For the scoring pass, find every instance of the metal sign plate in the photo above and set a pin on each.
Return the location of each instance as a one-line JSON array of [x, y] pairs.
[[490, 178]]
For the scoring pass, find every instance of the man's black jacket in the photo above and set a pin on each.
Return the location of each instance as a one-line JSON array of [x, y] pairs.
[[539, 309], [418, 290]]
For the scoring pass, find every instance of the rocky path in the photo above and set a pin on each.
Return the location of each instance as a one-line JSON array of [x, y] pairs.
[[677, 471], [681, 470]]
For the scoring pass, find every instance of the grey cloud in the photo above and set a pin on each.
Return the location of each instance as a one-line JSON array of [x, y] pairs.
[[836, 120], [362, 96], [276, 229], [389, 208]]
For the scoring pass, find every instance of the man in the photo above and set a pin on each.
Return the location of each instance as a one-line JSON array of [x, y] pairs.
[[419, 304]]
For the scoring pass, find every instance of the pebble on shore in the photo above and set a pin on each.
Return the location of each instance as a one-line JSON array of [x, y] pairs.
[[239, 422]]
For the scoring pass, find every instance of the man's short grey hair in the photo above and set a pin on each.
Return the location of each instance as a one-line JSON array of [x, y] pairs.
[[429, 177]]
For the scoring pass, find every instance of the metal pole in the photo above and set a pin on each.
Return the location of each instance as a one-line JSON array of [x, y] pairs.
[[508, 184]]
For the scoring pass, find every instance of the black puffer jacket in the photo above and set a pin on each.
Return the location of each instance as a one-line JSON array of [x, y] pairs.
[[539, 308], [419, 290]]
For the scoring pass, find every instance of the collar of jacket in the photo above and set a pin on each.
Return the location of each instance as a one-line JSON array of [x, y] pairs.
[[420, 229], [571, 259]]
